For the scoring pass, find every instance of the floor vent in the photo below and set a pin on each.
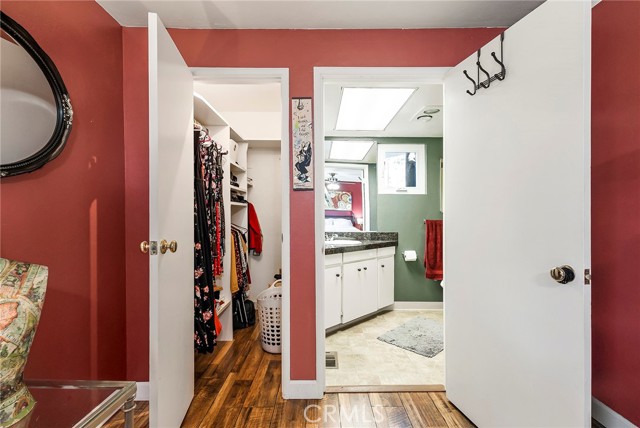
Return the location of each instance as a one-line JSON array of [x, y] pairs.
[[331, 360]]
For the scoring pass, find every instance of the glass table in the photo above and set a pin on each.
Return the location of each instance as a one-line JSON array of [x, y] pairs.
[[81, 404]]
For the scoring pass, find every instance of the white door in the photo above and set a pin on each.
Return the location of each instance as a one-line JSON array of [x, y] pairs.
[[517, 159], [332, 296], [171, 219]]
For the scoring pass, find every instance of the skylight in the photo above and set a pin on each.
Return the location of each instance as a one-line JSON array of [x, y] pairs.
[[350, 150], [370, 109]]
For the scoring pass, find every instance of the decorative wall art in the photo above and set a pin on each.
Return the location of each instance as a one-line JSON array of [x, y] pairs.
[[301, 122]]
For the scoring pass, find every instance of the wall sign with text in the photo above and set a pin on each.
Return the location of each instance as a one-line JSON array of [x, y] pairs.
[[302, 125]]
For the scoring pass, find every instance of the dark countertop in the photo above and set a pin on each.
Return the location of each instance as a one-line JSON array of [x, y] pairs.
[[366, 245]]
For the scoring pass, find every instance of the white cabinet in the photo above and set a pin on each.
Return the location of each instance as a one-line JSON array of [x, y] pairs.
[[385, 281], [356, 284], [359, 289], [332, 296]]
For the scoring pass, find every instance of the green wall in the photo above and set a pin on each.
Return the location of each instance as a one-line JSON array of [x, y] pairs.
[[405, 214]]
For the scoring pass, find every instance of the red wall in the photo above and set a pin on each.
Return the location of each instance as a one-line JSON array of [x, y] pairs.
[[615, 179], [69, 215], [299, 51]]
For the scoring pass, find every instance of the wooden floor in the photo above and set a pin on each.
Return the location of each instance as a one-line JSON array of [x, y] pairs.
[[239, 386]]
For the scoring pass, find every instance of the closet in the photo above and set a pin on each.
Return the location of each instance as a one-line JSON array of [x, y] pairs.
[[231, 272]]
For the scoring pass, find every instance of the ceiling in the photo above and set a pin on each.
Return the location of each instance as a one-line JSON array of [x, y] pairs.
[[404, 124], [320, 14]]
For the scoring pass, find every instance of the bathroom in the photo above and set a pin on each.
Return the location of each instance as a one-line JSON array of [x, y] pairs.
[[383, 313]]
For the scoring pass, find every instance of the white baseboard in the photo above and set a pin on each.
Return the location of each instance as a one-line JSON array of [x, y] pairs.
[[142, 394], [302, 389], [417, 305], [607, 416]]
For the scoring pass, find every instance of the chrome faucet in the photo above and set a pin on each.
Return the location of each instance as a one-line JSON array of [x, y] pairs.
[[331, 237]]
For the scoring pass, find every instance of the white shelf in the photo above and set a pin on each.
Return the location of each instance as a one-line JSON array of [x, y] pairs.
[[205, 113], [238, 189], [238, 204], [223, 307], [236, 167]]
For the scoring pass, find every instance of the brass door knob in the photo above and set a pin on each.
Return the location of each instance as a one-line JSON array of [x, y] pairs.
[[168, 246], [563, 274], [144, 247]]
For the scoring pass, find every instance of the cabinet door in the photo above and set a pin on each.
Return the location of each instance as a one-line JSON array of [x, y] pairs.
[[359, 289], [352, 305], [332, 296], [369, 286], [385, 281]]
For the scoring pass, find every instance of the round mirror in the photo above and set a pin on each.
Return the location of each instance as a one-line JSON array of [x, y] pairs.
[[36, 110]]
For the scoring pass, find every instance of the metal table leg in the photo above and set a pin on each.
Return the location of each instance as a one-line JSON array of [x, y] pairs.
[[128, 410]]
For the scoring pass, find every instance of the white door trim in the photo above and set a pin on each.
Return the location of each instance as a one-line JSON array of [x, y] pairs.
[[322, 75], [262, 75]]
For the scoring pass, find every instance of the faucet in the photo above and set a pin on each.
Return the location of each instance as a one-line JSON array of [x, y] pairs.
[[331, 237]]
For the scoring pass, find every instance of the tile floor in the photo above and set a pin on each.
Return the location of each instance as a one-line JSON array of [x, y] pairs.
[[365, 360]]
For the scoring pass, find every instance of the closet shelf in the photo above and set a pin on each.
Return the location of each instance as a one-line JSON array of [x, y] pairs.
[[223, 307], [238, 204], [238, 189], [205, 113], [236, 167]]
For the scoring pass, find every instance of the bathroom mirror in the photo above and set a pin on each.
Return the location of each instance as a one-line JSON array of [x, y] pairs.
[[36, 111]]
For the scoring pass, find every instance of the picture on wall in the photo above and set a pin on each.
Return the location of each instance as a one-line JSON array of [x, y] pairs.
[[337, 200], [301, 122]]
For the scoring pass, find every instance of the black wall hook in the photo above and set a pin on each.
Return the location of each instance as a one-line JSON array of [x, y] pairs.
[[489, 78], [487, 82], [475, 87]]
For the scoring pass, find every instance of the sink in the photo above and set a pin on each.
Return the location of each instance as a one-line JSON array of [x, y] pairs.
[[342, 242]]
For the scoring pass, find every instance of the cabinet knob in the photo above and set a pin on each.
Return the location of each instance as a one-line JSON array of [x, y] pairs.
[[337, 275], [381, 265], [365, 268], [359, 270]]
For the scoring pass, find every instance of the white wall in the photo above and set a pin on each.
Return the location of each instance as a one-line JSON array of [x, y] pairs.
[[266, 196]]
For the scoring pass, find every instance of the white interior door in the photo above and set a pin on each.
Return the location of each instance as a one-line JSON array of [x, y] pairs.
[[170, 218], [517, 205]]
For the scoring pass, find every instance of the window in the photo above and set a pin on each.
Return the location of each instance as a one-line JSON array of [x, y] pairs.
[[401, 169]]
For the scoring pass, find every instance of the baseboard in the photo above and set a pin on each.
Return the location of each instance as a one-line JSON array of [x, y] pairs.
[[417, 305], [607, 416], [142, 394], [302, 389], [384, 388]]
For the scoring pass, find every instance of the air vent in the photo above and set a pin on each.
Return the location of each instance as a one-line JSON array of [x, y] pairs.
[[331, 360]]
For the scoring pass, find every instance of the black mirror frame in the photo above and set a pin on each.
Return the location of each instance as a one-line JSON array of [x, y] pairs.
[[64, 111]]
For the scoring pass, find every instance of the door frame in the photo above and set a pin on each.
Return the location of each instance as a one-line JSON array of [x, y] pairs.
[[322, 75], [269, 75]]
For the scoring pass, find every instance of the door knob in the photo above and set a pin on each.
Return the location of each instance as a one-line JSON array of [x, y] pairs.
[[144, 247], [563, 274], [170, 246]]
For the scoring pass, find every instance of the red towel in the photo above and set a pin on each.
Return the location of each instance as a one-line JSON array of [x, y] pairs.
[[433, 250]]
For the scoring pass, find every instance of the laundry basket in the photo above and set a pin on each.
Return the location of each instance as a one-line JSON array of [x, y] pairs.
[[270, 313]]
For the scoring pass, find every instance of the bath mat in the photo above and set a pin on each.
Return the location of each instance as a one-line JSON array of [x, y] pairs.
[[420, 335]]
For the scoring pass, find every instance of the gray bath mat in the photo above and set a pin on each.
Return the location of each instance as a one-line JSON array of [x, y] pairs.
[[420, 335]]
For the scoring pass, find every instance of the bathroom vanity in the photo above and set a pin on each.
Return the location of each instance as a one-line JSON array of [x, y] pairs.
[[359, 275]]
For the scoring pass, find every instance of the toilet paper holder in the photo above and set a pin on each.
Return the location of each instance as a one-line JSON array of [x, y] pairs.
[[409, 255]]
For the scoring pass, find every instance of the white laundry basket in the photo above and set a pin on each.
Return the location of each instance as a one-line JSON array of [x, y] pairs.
[[270, 313]]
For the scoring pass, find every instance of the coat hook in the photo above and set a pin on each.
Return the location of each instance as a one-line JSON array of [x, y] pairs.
[[475, 87], [503, 70], [488, 81], [300, 106]]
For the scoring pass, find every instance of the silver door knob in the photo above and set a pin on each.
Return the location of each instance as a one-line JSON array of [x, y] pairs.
[[563, 274]]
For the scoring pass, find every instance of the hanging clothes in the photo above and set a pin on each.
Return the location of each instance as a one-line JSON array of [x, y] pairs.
[[208, 238], [243, 314], [255, 232]]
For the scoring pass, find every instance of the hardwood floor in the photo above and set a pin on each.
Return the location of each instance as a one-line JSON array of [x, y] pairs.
[[239, 386]]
